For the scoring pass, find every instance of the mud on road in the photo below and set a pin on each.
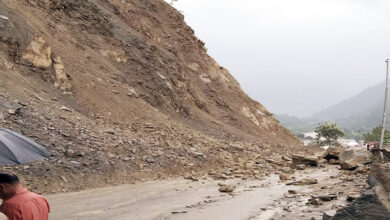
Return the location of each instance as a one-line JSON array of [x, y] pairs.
[[268, 198]]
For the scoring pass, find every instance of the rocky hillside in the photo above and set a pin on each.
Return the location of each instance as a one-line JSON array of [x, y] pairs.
[[121, 89]]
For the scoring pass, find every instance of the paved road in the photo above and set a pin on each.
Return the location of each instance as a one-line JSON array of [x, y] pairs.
[[182, 199]]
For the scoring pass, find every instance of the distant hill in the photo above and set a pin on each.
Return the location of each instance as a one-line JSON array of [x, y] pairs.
[[355, 115], [359, 113], [363, 104]]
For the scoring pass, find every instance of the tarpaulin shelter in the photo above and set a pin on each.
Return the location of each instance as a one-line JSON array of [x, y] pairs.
[[17, 149]]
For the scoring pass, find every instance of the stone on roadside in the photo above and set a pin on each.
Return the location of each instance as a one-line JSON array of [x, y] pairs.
[[285, 158], [227, 188], [300, 167], [328, 215], [303, 182]]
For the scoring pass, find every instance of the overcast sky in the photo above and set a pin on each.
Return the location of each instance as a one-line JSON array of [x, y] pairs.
[[295, 56]]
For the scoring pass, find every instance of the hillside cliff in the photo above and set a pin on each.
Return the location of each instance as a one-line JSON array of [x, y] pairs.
[[119, 88]]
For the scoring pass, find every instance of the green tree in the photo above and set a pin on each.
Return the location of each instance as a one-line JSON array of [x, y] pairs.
[[328, 131], [375, 135]]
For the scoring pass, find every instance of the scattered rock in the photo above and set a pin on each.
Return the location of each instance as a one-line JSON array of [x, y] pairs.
[[64, 179], [329, 197], [192, 177], [300, 167], [285, 158], [74, 162], [314, 201], [12, 111], [109, 131], [64, 108], [111, 155], [352, 197], [274, 162], [286, 169], [303, 182], [283, 177], [179, 212], [69, 153], [3, 17]]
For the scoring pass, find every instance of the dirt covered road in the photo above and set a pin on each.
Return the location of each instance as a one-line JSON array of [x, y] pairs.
[[184, 199]]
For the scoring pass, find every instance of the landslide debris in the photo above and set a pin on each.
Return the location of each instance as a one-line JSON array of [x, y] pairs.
[[122, 91]]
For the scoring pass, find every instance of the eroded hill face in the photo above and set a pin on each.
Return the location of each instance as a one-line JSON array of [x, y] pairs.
[[120, 87]]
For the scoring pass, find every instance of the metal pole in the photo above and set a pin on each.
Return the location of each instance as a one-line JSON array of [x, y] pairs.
[[384, 109]]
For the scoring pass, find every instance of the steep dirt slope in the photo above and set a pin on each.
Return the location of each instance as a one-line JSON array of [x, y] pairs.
[[114, 87]]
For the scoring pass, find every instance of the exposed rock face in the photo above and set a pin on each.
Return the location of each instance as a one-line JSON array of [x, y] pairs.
[[351, 158], [38, 53]]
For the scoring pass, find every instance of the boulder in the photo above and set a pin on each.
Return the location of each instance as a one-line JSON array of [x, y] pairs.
[[351, 158], [366, 207], [298, 159], [332, 153], [381, 172]]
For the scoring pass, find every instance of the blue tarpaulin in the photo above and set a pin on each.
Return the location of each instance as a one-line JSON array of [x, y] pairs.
[[17, 149]]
